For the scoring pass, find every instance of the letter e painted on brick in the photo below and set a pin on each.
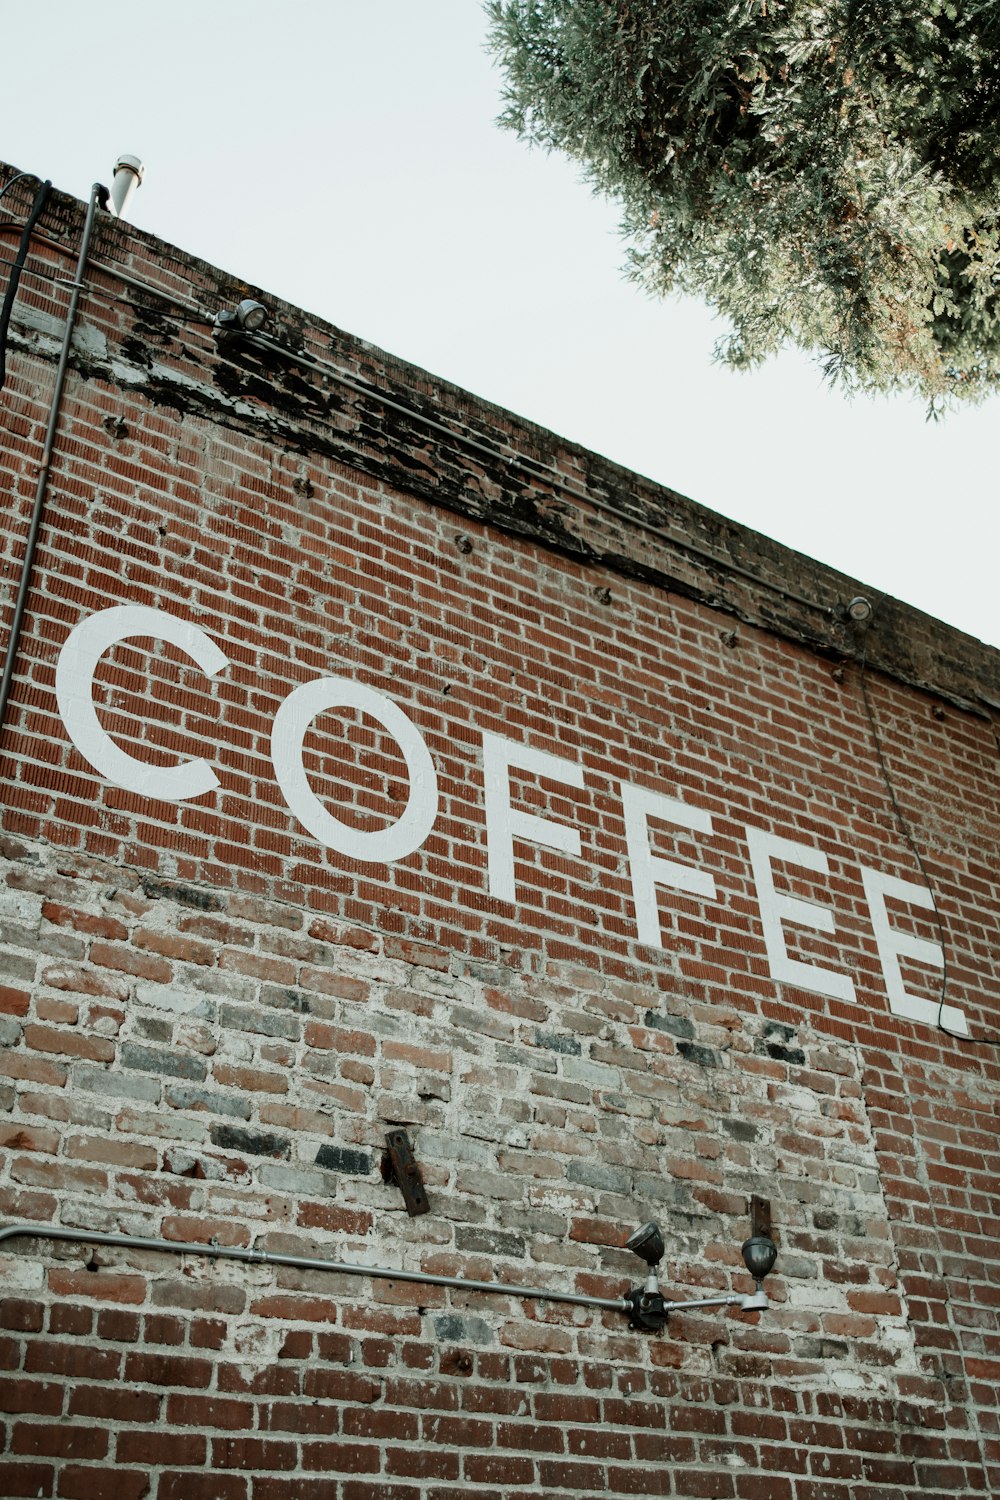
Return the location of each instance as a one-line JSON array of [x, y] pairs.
[[78, 659], [288, 732], [775, 908], [648, 870], [504, 824], [893, 944]]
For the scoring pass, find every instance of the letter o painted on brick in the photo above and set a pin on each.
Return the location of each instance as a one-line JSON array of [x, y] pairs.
[[291, 724]]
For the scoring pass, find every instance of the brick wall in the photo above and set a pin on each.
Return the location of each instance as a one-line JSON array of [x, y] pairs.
[[210, 1016]]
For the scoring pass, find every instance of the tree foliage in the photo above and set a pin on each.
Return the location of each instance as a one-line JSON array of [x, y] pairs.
[[825, 172]]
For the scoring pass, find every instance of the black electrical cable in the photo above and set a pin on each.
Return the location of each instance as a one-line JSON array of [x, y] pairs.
[[98, 194], [41, 198], [17, 178], [33, 275], [904, 827]]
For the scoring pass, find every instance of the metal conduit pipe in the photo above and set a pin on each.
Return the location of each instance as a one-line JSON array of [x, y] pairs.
[[97, 194], [300, 1263], [348, 1268]]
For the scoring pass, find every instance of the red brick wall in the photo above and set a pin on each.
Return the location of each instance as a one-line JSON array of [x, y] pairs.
[[209, 1020]]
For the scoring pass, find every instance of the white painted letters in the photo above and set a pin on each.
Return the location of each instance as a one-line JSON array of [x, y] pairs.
[[288, 732], [503, 824], [776, 908], [84, 647], [892, 943], [648, 870], [74, 684]]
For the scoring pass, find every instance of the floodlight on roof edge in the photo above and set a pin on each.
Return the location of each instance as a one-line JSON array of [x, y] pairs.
[[247, 316]]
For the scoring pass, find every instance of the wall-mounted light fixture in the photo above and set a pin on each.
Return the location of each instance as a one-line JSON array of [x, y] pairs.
[[855, 612], [247, 316], [759, 1254], [644, 1305]]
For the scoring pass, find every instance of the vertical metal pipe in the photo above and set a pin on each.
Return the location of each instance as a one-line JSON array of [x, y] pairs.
[[97, 194]]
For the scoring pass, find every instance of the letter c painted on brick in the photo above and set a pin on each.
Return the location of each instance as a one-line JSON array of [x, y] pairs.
[[291, 723], [84, 647]]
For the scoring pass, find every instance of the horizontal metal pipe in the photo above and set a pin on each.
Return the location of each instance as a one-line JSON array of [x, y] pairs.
[[731, 1299], [301, 1263]]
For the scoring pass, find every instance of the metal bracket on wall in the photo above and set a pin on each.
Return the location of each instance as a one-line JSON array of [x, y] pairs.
[[399, 1166], [760, 1216]]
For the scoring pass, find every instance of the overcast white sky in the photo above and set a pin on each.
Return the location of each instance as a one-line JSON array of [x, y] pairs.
[[343, 154]]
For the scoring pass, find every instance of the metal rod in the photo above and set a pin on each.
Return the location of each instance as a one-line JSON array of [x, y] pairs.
[[96, 193], [302, 1263], [731, 1299]]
